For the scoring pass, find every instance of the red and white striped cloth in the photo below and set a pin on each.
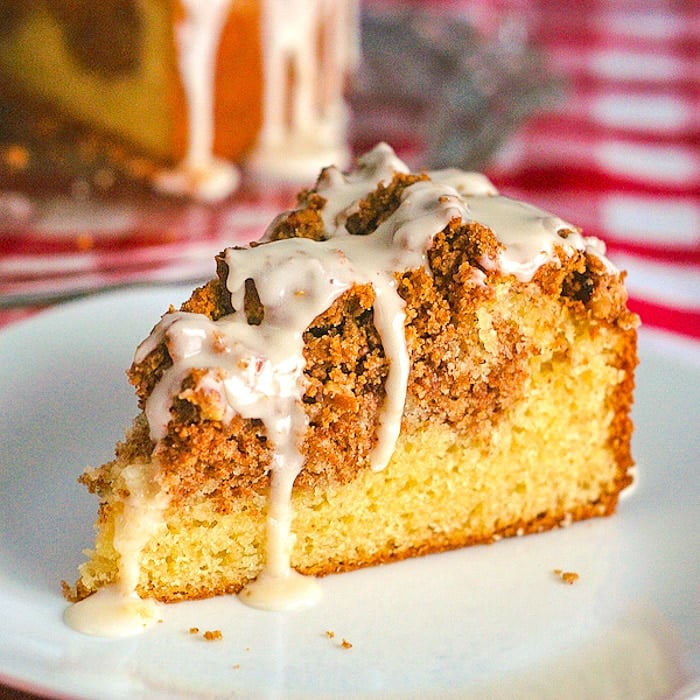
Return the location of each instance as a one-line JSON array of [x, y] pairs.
[[620, 154], [69, 248]]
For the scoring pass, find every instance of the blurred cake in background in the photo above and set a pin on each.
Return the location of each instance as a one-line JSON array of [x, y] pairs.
[[92, 97], [192, 85]]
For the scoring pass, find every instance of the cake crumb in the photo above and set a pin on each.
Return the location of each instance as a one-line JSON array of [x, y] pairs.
[[209, 635], [569, 577], [567, 520], [343, 644], [236, 667]]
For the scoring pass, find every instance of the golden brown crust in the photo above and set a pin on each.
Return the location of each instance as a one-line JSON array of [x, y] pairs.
[[620, 439]]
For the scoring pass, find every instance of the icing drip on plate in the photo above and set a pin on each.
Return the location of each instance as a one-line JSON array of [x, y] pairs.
[[257, 371]]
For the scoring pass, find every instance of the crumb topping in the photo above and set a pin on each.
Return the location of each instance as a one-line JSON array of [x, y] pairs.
[[467, 360]]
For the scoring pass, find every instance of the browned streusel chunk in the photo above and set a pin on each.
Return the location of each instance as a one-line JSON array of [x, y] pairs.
[[212, 299], [305, 222], [380, 204]]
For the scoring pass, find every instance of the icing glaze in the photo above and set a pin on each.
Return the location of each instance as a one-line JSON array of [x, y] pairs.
[[304, 119], [257, 371], [116, 610], [201, 174], [111, 612]]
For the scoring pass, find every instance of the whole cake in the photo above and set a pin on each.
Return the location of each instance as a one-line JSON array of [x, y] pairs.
[[192, 82], [406, 363]]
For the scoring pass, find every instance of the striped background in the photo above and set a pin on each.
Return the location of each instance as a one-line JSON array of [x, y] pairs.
[[619, 155]]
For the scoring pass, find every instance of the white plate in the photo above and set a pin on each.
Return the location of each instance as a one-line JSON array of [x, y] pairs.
[[484, 622]]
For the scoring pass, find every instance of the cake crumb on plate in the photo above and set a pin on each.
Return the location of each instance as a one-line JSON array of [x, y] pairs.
[[569, 577]]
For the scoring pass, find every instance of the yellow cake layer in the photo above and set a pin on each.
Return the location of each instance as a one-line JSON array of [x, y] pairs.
[[550, 461]]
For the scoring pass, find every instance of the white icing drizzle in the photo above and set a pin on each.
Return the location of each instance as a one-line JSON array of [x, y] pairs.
[[200, 174], [116, 610], [304, 119], [257, 370], [529, 234], [468, 184]]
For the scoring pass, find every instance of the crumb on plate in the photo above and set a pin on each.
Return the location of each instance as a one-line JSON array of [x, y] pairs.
[[569, 577], [209, 635]]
